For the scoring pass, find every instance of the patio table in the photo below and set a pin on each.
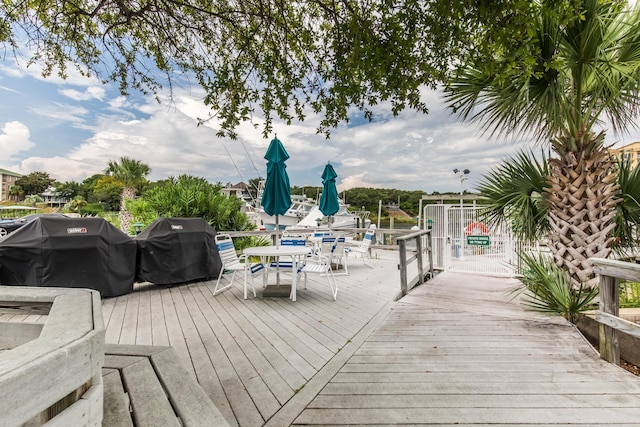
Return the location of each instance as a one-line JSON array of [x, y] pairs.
[[295, 253]]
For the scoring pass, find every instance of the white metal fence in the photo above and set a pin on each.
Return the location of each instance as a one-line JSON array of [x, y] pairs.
[[462, 243]]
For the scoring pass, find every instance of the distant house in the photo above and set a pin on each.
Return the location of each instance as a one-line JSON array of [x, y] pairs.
[[8, 180], [51, 197], [629, 152]]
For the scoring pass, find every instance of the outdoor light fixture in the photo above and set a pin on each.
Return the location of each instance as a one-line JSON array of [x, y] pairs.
[[138, 227], [463, 177]]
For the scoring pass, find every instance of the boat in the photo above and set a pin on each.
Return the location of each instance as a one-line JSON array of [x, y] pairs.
[[300, 208], [344, 218]]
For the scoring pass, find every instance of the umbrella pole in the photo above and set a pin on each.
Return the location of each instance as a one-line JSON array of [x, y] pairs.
[[278, 259]]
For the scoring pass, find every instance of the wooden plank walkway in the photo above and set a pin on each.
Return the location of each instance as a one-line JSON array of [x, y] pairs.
[[453, 352], [252, 356]]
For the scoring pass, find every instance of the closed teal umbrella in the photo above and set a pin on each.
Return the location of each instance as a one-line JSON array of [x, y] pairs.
[[276, 195], [329, 200]]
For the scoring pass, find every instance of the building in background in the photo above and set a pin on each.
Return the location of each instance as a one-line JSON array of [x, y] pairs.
[[52, 198], [8, 180], [630, 153]]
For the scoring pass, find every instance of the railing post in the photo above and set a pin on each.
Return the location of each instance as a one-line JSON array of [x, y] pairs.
[[419, 254], [402, 247], [609, 349], [430, 253]]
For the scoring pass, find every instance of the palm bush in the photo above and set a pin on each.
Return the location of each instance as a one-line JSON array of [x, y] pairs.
[[629, 294], [514, 190], [585, 72], [627, 216], [514, 193], [547, 288], [187, 196]]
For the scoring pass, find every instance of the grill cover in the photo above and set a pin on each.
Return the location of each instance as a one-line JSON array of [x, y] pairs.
[[69, 252], [177, 250]]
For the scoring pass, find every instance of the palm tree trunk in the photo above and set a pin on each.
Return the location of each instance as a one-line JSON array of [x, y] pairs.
[[126, 218], [581, 199]]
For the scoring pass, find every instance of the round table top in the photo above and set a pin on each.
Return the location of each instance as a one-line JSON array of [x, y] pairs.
[[285, 250]]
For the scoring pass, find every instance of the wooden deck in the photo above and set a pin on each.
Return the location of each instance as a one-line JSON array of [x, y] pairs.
[[453, 352]]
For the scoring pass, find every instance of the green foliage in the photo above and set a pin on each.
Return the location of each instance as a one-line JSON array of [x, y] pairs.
[[514, 191], [240, 243], [77, 204], [67, 190], [583, 70], [288, 59], [187, 197], [32, 200], [16, 190], [34, 183], [130, 172], [107, 190], [627, 217], [629, 294], [546, 288], [91, 209], [370, 197]]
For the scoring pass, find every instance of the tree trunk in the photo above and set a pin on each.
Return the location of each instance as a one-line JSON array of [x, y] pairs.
[[126, 218], [581, 199]]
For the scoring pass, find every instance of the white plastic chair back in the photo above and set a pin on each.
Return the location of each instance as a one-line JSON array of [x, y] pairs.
[[321, 264], [231, 262]]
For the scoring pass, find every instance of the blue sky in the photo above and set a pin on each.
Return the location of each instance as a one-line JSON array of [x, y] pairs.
[[71, 128]]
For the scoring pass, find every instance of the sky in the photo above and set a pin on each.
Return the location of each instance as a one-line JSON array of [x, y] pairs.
[[72, 128]]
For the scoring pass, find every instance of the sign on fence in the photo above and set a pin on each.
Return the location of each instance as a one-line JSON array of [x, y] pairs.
[[478, 241]]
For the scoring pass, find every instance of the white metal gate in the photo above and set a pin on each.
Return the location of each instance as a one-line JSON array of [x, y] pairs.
[[462, 243]]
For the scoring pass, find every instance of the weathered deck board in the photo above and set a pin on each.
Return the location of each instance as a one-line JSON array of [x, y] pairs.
[[457, 352], [454, 351], [252, 356]]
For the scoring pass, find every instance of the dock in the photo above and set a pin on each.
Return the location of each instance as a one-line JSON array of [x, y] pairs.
[[455, 351]]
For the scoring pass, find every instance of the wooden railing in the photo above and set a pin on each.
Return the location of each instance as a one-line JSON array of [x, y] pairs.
[[422, 241], [51, 371], [412, 246], [610, 272]]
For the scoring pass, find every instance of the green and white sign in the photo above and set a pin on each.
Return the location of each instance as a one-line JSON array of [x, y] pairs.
[[478, 241]]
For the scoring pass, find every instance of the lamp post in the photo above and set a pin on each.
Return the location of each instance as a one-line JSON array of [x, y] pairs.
[[138, 227], [463, 177]]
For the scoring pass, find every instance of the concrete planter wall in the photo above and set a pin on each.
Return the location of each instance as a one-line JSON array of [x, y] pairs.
[[51, 374]]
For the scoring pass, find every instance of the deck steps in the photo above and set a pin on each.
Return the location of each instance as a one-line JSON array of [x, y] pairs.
[[148, 386]]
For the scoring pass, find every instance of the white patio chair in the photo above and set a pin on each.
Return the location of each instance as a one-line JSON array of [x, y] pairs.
[[364, 248], [336, 245], [288, 241], [231, 263], [321, 265]]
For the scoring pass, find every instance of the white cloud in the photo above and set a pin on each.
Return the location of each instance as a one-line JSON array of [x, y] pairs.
[[61, 112], [8, 89], [14, 138], [412, 151], [91, 92], [17, 68]]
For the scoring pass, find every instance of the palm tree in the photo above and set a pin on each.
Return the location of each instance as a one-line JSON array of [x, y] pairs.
[[513, 192], [587, 70], [132, 173]]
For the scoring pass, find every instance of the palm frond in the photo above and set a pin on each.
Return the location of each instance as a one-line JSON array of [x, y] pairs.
[[546, 288], [587, 70], [627, 218], [514, 190]]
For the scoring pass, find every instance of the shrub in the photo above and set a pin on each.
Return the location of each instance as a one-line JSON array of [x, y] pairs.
[[547, 289]]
